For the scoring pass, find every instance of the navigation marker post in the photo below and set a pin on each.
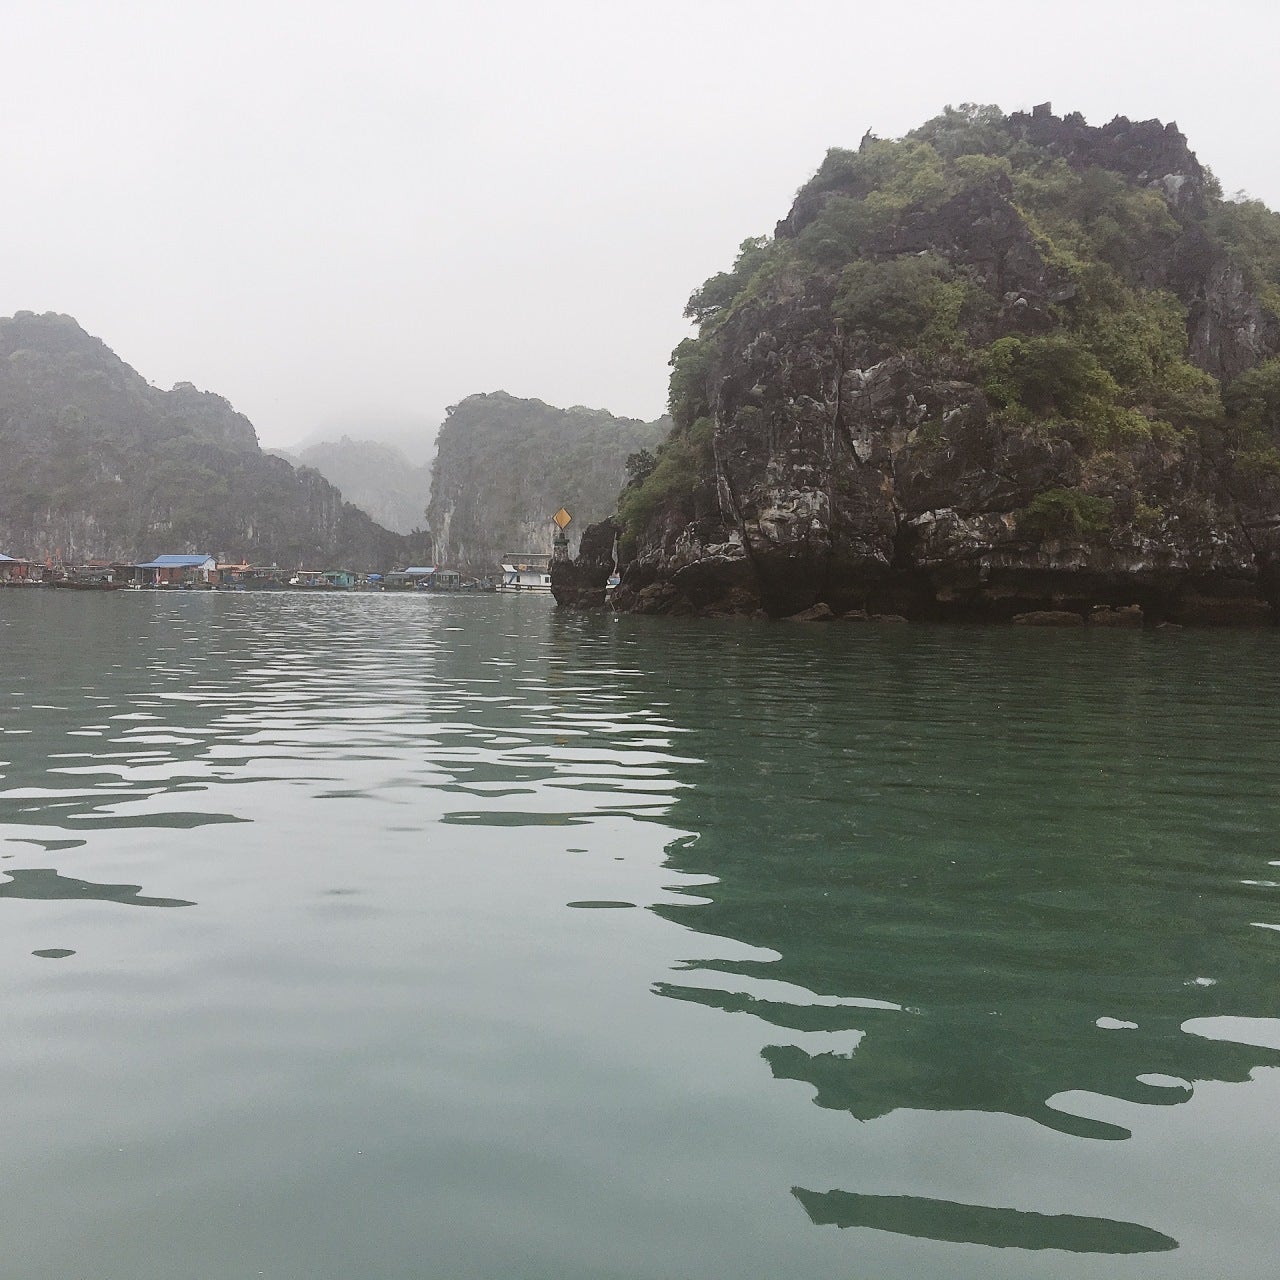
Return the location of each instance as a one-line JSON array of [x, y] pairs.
[[560, 543]]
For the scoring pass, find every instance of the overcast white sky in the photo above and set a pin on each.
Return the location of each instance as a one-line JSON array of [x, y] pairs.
[[346, 216]]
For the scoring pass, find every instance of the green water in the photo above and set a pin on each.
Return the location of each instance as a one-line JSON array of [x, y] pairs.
[[390, 937]]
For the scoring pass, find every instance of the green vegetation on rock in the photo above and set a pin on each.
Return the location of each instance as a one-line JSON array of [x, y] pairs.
[[670, 483], [1066, 513]]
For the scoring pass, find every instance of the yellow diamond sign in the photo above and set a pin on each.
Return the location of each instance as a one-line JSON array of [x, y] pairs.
[[562, 517]]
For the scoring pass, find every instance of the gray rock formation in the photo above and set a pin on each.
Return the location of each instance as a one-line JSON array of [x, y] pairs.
[[581, 583], [504, 466]]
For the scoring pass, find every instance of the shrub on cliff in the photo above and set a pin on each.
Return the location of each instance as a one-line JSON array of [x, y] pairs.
[[1254, 401], [679, 465], [1055, 379], [726, 286], [1252, 232], [1066, 513], [1249, 438], [900, 301]]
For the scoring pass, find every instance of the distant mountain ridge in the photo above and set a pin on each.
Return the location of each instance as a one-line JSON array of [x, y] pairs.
[[377, 476], [94, 461]]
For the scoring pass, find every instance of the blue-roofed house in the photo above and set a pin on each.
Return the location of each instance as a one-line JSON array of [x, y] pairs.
[[180, 570]]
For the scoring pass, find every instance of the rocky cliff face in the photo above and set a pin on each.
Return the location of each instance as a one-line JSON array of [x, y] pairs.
[[1005, 365], [504, 466], [95, 462]]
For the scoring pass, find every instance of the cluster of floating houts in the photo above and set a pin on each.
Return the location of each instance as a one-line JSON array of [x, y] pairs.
[[201, 572]]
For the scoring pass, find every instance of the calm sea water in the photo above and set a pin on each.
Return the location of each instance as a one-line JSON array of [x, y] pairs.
[[378, 936]]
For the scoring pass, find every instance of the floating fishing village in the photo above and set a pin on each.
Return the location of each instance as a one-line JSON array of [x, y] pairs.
[[525, 572]]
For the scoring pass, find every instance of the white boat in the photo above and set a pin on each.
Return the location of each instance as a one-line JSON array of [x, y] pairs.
[[529, 571]]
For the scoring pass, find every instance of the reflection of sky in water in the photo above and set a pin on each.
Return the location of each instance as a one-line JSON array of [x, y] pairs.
[[984, 899]]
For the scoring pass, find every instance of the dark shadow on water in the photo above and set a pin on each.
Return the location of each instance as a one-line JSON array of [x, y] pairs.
[[980, 1224], [49, 846], [45, 884], [163, 821], [497, 818]]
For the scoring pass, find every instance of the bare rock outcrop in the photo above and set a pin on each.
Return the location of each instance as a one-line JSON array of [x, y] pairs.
[[582, 583]]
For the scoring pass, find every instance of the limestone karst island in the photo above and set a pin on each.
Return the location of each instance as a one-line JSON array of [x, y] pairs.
[[1004, 367]]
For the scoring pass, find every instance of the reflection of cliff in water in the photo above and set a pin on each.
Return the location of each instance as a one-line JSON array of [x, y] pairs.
[[1004, 838], [44, 884], [980, 1224]]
